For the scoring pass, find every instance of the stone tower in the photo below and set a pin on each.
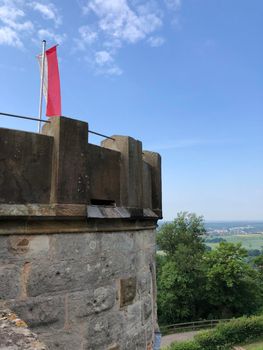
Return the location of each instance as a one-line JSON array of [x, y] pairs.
[[77, 236]]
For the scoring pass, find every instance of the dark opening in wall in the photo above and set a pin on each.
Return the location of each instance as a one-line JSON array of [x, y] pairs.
[[106, 202]]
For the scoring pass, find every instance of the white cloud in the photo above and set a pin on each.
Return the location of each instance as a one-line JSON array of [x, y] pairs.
[[18, 24], [48, 11], [48, 34], [173, 4], [116, 23], [87, 35], [10, 15], [118, 20], [103, 57], [104, 63], [9, 37], [156, 41]]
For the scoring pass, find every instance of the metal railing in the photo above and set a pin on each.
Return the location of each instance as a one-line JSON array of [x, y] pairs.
[[48, 121], [191, 326]]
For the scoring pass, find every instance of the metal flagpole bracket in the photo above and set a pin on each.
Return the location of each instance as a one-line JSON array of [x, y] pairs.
[[41, 84]]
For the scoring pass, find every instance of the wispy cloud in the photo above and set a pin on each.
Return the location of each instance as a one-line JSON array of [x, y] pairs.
[[48, 11], [156, 41], [107, 26], [48, 34], [17, 23], [116, 23], [173, 4], [9, 37]]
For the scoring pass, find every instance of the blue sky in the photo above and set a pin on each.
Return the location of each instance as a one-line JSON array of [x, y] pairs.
[[183, 76]]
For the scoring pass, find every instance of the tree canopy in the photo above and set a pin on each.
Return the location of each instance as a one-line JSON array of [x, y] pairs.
[[197, 283]]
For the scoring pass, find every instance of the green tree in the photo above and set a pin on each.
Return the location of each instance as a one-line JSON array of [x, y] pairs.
[[180, 274], [232, 285]]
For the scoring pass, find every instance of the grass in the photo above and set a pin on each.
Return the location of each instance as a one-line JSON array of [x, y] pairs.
[[249, 241], [255, 346]]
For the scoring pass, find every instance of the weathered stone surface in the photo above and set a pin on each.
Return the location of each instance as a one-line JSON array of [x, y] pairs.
[[73, 246], [114, 347], [101, 332], [135, 340], [42, 312], [147, 185], [62, 340], [133, 316], [77, 261], [25, 163], [147, 308], [84, 304], [144, 284], [127, 291], [47, 278], [69, 285], [10, 281], [69, 175], [30, 210], [131, 191], [154, 161], [14, 334], [104, 174]]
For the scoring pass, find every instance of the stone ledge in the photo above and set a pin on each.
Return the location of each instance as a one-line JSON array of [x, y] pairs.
[[42, 210], [73, 211], [40, 226]]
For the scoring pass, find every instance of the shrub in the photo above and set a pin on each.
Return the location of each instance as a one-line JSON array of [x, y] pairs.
[[225, 335], [189, 345]]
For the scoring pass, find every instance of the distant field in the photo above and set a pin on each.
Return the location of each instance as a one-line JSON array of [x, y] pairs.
[[249, 241]]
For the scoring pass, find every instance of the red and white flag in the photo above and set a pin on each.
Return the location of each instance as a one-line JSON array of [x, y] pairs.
[[51, 82]]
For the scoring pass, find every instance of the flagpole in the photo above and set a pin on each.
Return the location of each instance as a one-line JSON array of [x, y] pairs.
[[41, 84]]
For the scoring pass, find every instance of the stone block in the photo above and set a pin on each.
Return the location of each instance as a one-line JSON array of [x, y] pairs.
[[67, 276], [154, 161], [76, 246], [28, 247], [147, 308], [69, 173], [84, 304], [147, 185], [25, 163], [149, 328], [120, 243], [135, 340], [116, 264], [62, 340], [4, 252], [10, 282], [103, 331], [127, 291], [131, 191], [104, 174], [133, 318], [144, 284], [41, 313]]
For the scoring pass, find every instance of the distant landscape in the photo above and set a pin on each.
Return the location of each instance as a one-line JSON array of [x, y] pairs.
[[249, 233]]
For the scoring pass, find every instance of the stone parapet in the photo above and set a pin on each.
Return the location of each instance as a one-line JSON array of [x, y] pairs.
[[60, 167]]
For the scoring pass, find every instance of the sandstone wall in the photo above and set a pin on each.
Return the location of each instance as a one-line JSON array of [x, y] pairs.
[[82, 291], [77, 236]]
